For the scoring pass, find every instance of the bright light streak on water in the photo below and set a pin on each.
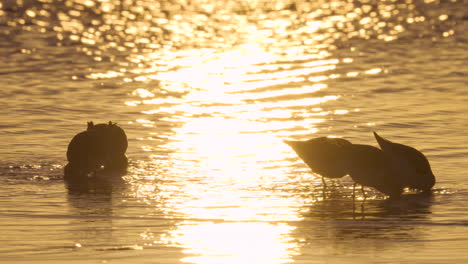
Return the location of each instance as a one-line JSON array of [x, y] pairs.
[[235, 243]]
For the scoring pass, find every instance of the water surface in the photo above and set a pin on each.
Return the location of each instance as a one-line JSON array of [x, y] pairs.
[[207, 91]]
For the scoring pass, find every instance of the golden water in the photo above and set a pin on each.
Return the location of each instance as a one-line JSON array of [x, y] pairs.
[[207, 91]]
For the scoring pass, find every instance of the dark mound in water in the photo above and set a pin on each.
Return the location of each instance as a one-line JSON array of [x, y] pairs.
[[100, 150]]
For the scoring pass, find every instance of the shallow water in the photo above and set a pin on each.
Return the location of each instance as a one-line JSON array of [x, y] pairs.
[[207, 91]]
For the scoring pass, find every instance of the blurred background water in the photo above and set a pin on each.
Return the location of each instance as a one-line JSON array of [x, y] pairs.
[[207, 91]]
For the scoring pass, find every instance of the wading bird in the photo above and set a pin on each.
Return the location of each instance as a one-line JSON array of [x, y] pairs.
[[99, 149], [321, 155], [389, 169]]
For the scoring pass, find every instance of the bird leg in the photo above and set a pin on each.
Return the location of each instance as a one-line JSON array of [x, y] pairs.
[[354, 209], [363, 192], [324, 187], [354, 191]]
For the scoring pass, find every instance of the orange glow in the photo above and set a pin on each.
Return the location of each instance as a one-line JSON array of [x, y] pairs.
[[216, 121], [224, 135]]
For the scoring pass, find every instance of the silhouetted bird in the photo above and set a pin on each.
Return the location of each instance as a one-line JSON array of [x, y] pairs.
[[101, 148], [412, 166], [389, 170], [368, 166], [322, 155]]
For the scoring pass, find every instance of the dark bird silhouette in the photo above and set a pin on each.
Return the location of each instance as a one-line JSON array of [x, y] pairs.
[[99, 149], [389, 170], [321, 155], [412, 166], [368, 166]]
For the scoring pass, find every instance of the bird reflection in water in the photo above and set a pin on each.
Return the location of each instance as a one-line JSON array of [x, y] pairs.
[[414, 206], [382, 225]]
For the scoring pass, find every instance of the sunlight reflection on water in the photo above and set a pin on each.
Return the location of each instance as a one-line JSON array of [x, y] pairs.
[[225, 145], [225, 142], [235, 243]]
